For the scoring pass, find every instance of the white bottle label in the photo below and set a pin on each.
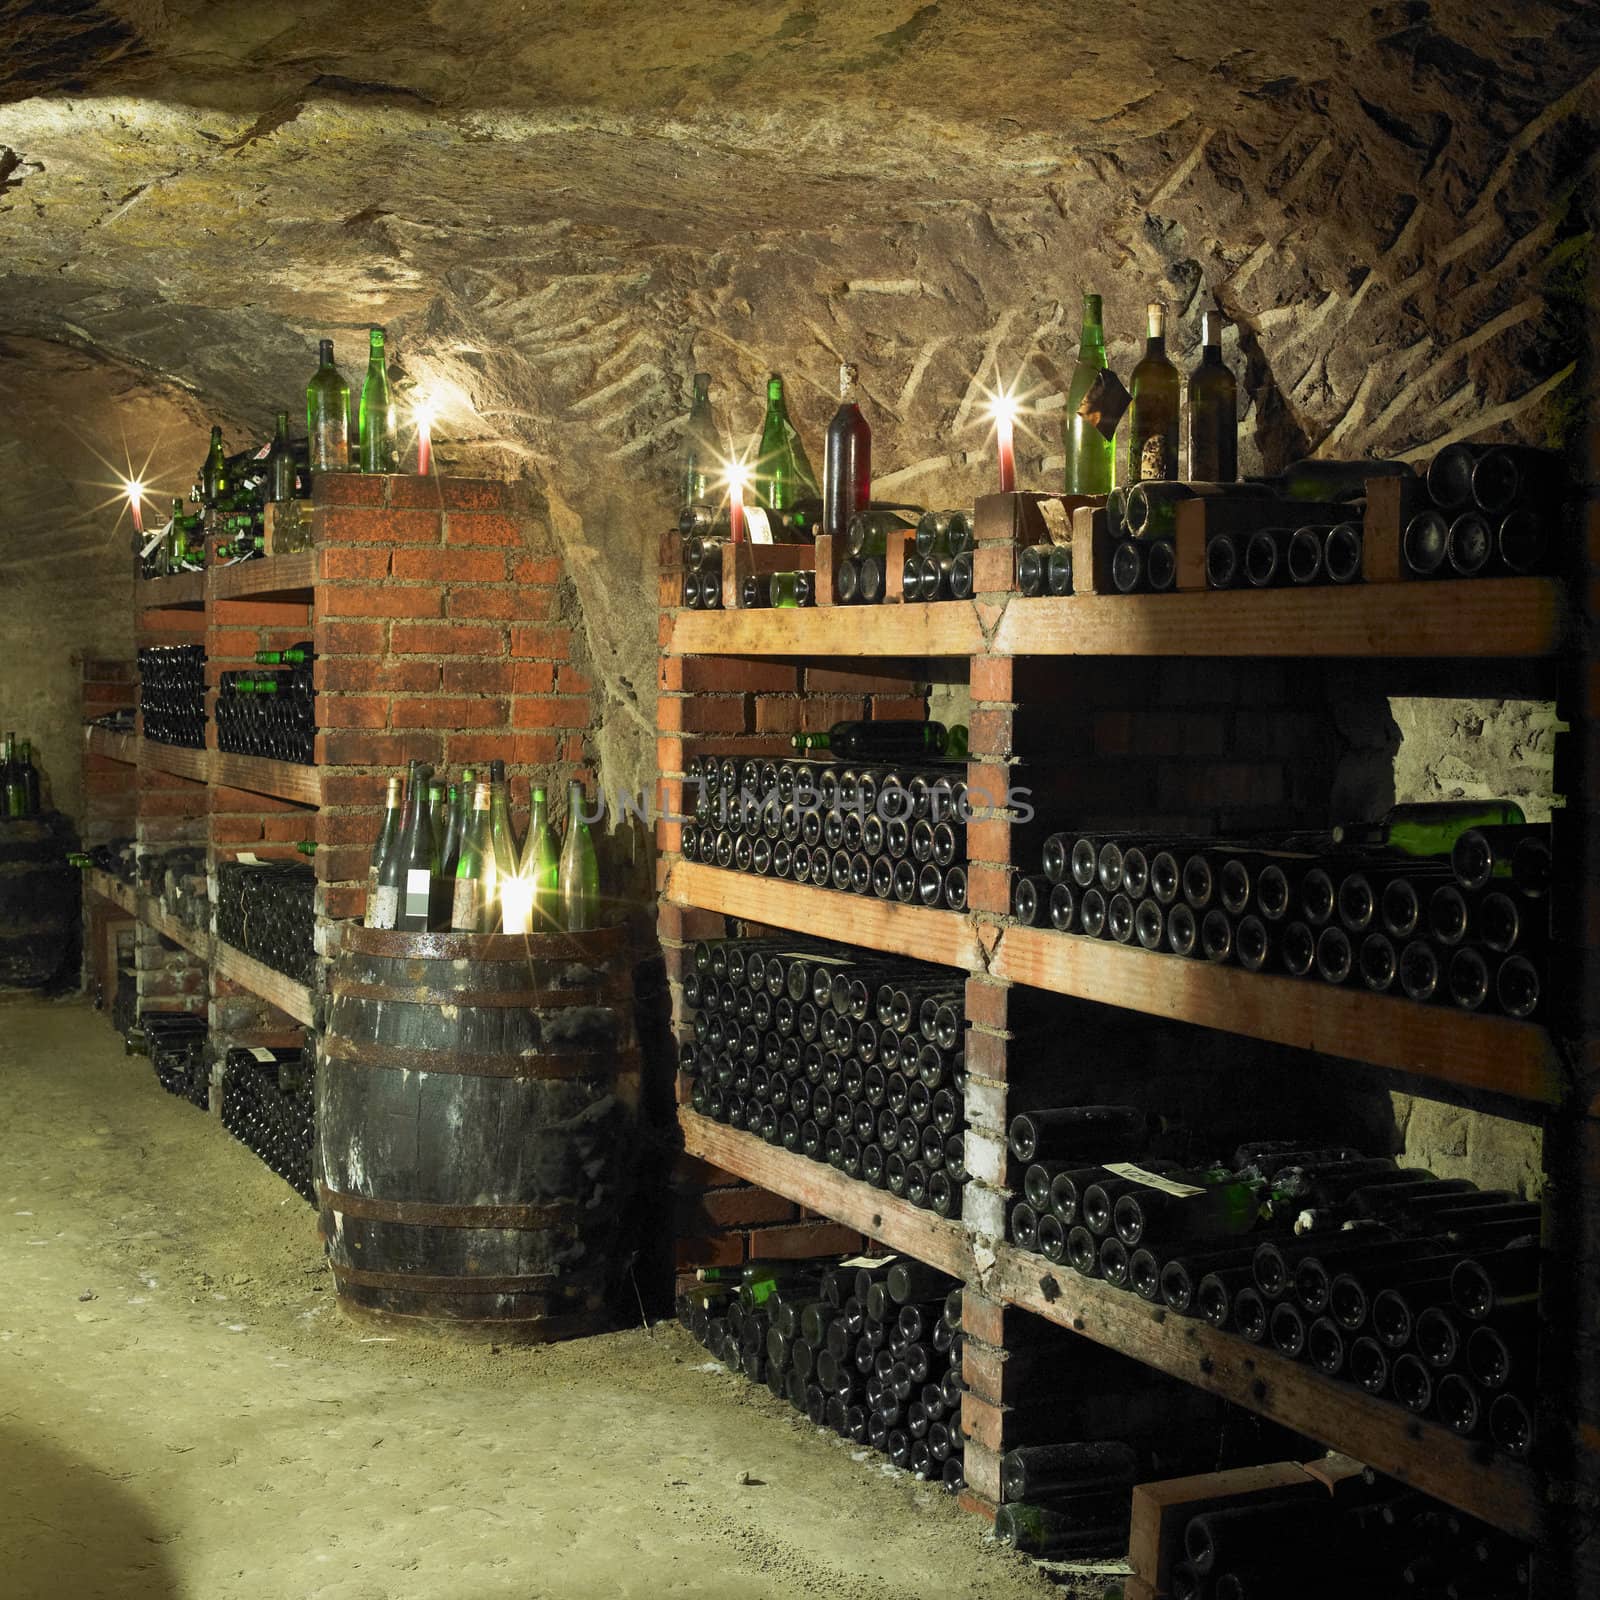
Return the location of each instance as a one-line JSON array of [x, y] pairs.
[[383, 909], [1153, 1180], [419, 890], [466, 910]]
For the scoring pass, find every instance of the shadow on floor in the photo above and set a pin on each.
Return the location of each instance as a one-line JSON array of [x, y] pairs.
[[68, 1528]]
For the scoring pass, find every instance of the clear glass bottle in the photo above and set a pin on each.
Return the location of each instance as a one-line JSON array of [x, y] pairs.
[[698, 463], [328, 414], [579, 868]]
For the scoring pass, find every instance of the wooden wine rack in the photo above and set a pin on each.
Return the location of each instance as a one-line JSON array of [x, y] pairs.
[[740, 681]]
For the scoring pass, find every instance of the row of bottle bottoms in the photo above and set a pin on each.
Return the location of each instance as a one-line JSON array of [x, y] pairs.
[[267, 909], [269, 1104], [850, 1060], [1418, 1289], [175, 1042], [448, 857], [870, 1348], [20, 783], [1464, 918]]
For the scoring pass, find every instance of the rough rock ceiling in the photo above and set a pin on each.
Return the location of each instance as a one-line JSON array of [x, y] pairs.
[[559, 209]]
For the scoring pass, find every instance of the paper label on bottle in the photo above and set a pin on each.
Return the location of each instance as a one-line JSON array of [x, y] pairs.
[[419, 893], [1103, 406], [264, 1056], [757, 527], [383, 908], [466, 907], [1153, 1180]]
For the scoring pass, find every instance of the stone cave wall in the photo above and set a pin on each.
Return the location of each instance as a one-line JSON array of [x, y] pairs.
[[1392, 203]]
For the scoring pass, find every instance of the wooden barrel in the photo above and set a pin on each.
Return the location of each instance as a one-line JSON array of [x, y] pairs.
[[39, 900], [476, 1100]]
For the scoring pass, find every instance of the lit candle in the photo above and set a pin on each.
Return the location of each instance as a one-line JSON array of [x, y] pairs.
[[516, 902], [424, 415], [1005, 411], [736, 502], [135, 493]]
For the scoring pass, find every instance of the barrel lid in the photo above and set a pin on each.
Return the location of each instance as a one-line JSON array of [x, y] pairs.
[[592, 945]]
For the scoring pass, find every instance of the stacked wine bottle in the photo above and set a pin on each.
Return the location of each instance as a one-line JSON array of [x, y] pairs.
[[172, 694], [896, 831], [1418, 1289], [267, 910], [271, 713], [269, 1105], [1464, 923], [1388, 1540], [870, 1349], [1494, 511], [938, 566], [838, 1054], [175, 1041]]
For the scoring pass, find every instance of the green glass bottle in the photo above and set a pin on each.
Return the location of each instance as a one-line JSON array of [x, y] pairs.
[[296, 655], [1091, 457], [472, 907], [701, 448], [541, 866], [579, 869], [879, 741], [328, 414], [382, 903], [1213, 411], [379, 452], [1153, 416], [280, 464], [215, 483], [783, 474], [1428, 829]]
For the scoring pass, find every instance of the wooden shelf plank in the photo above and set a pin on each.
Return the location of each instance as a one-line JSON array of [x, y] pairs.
[[1490, 617], [184, 591], [274, 575], [114, 746], [947, 629], [294, 999], [148, 911], [906, 1228], [1488, 1053], [176, 759], [1386, 1436], [945, 937], [287, 780]]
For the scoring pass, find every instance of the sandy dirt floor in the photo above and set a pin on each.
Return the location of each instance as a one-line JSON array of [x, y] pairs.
[[184, 1412]]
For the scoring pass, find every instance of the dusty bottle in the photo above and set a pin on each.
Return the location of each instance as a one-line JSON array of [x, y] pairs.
[[847, 463], [328, 414], [1153, 417], [383, 907]]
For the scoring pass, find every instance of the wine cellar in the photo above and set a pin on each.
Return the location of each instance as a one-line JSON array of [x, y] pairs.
[[869, 866]]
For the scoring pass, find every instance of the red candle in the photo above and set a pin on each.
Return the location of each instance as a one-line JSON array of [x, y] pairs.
[[424, 441], [1005, 438], [735, 505]]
